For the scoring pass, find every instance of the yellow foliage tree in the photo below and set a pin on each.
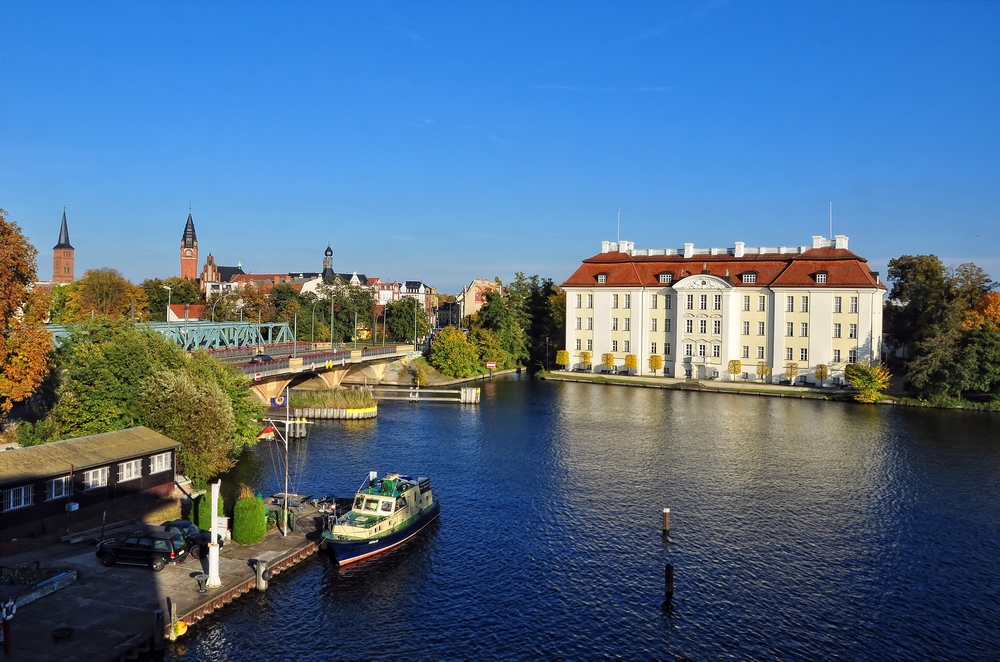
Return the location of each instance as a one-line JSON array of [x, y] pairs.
[[987, 310], [585, 359], [822, 372], [735, 367], [791, 371], [562, 358], [869, 379], [655, 362], [763, 370], [631, 361], [608, 360]]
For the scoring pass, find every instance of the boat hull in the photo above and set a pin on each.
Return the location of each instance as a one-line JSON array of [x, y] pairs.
[[347, 552]]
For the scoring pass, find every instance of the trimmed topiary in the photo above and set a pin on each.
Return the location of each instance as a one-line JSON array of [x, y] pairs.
[[249, 518], [201, 514]]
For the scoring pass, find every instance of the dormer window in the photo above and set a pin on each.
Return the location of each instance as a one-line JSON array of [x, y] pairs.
[[749, 278], [602, 278], [666, 279], [821, 278]]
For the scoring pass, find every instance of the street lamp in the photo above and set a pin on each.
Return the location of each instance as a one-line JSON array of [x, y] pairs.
[[312, 333], [169, 292], [355, 328], [216, 302]]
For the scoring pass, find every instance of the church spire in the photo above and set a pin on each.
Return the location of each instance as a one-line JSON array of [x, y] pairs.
[[190, 238], [63, 234]]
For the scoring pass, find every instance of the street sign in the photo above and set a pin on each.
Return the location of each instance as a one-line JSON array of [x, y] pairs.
[[256, 376], [491, 365]]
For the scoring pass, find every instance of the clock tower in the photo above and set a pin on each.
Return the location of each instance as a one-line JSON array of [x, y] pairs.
[[189, 250]]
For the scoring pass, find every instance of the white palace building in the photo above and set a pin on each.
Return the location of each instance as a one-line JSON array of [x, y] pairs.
[[700, 308]]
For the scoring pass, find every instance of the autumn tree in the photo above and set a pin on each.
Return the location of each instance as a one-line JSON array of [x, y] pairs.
[[562, 358], [453, 355], [655, 362], [24, 343], [182, 290], [734, 368], [763, 370], [791, 371], [870, 380], [585, 359], [822, 372], [631, 362], [104, 292], [608, 360]]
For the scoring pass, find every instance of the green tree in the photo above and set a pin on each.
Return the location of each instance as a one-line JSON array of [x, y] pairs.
[[403, 316], [104, 292], [182, 290], [490, 348], [452, 354], [25, 345], [504, 316], [870, 379], [249, 518]]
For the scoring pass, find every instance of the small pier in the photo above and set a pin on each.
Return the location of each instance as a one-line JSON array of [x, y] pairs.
[[466, 395]]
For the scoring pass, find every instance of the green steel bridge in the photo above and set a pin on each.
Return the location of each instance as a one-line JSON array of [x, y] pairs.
[[195, 335]]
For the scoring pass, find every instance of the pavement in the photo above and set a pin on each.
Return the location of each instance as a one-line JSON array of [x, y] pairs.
[[111, 610]]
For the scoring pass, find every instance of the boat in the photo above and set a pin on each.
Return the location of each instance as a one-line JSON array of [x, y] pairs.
[[386, 513]]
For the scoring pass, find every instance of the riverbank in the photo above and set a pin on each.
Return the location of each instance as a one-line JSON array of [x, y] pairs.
[[110, 611]]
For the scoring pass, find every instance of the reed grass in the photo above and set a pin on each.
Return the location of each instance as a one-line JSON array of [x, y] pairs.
[[333, 398]]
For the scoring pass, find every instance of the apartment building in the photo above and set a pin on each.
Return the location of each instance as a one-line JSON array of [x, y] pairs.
[[700, 308]]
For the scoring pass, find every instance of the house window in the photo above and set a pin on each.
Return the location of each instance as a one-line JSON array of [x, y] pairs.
[[854, 304], [161, 462], [852, 331], [578, 344], [579, 323], [602, 278], [579, 301], [690, 302], [95, 478], [717, 327], [688, 326], [760, 328], [57, 488], [804, 329], [628, 323], [746, 302], [614, 323], [702, 350], [590, 301], [789, 329], [652, 348], [652, 326], [653, 302], [666, 348], [836, 356], [760, 352], [790, 305], [625, 346], [749, 279], [717, 302], [702, 327], [788, 353], [836, 329], [129, 470], [716, 351], [590, 345], [614, 300], [614, 345], [666, 278], [761, 303], [668, 302], [804, 355], [836, 304], [746, 328], [628, 301], [16, 498], [666, 325], [821, 278], [702, 302], [590, 324], [805, 304], [688, 349], [746, 351]]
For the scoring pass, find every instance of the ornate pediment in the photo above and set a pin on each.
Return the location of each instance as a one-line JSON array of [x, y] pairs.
[[702, 282]]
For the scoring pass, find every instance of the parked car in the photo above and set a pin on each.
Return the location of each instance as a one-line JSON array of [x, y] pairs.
[[260, 358], [196, 539], [148, 548]]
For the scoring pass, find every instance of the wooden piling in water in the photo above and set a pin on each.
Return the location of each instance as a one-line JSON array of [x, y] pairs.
[[668, 582], [666, 521]]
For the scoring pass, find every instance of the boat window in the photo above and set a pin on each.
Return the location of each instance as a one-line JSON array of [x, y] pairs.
[[400, 503], [371, 504], [387, 506], [359, 502]]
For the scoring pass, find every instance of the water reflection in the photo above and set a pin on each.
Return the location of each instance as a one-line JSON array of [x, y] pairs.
[[801, 530]]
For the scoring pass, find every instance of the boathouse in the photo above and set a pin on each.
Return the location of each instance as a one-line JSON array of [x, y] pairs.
[[47, 488]]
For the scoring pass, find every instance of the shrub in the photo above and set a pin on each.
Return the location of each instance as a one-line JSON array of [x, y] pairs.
[[869, 379], [202, 512], [249, 518]]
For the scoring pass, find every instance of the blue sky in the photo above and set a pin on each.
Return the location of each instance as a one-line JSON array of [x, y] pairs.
[[447, 141]]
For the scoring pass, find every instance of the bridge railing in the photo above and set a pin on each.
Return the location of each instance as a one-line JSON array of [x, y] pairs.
[[271, 367], [378, 351], [323, 357]]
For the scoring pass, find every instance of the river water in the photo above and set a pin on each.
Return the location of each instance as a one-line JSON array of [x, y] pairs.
[[801, 530]]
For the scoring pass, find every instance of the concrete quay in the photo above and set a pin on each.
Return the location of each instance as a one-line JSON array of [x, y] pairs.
[[111, 610]]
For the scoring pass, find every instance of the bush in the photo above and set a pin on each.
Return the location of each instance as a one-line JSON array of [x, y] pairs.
[[249, 518], [201, 514]]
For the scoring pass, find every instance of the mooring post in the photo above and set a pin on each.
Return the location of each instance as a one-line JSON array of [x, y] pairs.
[[172, 614], [260, 568], [159, 628], [666, 521], [668, 582]]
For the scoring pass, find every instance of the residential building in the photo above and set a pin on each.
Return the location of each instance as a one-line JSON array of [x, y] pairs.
[[702, 307], [472, 298]]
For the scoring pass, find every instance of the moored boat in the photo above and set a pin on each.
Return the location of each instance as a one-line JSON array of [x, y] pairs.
[[386, 513]]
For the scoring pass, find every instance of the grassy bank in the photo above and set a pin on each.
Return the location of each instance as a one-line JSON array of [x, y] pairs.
[[333, 398]]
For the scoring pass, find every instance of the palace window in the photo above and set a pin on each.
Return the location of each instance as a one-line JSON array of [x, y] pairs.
[[668, 302], [628, 301], [666, 348], [690, 302], [804, 355], [746, 328], [717, 327], [590, 344], [749, 279], [57, 488], [688, 349], [688, 326], [746, 351], [129, 470], [702, 327], [614, 323], [717, 302], [760, 352], [653, 302], [702, 302], [159, 463], [761, 303], [836, 329], [790, 305], [837, 304], [666, 325], [579, 323], [602, 278], [854, 304], [788, 353], [716, 351], [652, 348], [804, 329], [789, 329], [805, 304], [626, 346], [578, 344], [836, 356], [852, 331], [579, 301], [16, 498], [95, 478], [614, 300], [590, 301], [760, 328], [746, 302], [821, 278], [614, 345], [652, 325], [590, 324], [666, 278], [628, 324], [702, 350]]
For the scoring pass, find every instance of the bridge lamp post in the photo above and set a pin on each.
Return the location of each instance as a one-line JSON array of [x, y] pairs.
[[355, 328], [312, 333], [216, 302], [169, 292]]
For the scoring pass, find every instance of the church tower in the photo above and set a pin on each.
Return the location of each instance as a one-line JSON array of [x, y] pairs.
[[328, 262], [62, 255], [189, 250]]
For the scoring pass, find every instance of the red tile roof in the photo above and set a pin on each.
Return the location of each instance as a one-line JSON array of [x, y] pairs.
[[843, 268]]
